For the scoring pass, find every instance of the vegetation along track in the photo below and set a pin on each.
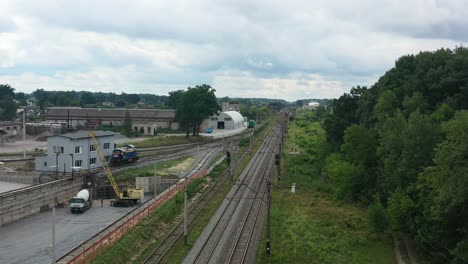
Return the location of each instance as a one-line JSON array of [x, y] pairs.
[[160, 251], [241, 205]]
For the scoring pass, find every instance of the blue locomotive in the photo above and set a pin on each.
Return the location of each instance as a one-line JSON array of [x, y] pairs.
[[125, 154]]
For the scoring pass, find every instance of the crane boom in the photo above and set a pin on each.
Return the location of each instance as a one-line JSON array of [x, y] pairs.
[[104, 164]]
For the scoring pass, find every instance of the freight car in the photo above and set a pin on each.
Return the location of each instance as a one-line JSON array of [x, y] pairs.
[[125, 154]]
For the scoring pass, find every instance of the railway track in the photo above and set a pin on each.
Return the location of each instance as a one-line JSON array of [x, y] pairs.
[[160, 251], [242, 207], [176, 153]]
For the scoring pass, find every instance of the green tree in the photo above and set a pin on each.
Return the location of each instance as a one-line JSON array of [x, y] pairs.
[[197, 104], [127, 125], [377, 218], [7, 104], [347, 179], [443, 192], [175, 98]]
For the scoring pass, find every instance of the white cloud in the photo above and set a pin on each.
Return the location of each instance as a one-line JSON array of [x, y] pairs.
[[291, 87], [119, 45]]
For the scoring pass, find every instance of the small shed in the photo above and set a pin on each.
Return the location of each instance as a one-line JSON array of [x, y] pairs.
[[226, 120]]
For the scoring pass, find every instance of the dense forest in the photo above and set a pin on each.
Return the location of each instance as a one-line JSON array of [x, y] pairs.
[[402, 145]]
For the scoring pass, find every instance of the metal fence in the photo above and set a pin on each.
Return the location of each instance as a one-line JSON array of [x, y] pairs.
[[86, 252]]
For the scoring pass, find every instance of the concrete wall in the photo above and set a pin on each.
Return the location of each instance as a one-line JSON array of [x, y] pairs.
[[148, 183], [19, 204], [19, 177]]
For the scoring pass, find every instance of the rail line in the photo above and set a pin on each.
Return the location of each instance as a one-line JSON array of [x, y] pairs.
[[211, 246], [160, 251]]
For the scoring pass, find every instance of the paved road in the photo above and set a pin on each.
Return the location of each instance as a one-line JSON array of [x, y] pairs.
[[28, 240]]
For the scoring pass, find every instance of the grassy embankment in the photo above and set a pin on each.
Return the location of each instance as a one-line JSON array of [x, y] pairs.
[[164, 140], [310, 226], [140, 241], [164, 168]]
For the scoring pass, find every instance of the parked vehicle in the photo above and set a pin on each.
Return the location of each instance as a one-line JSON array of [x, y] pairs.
[[251, 124], [81, 202], [125, 154], [209, 130]]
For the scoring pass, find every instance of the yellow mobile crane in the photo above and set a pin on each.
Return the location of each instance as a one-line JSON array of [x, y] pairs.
[[127, 197]]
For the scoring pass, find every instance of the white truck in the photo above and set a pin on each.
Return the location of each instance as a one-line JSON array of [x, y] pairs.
[[81, 202]]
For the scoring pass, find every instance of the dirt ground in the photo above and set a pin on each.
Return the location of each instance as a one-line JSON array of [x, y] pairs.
[[17, 146]]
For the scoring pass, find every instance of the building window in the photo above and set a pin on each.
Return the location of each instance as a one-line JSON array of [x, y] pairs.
[[77, 149], [78, 163], [227, 119], [58, 149], [106, 145], [8, 128], [92, 148], [14, 127], [214, 119], [149, 130], [45, 163], [92, 161]]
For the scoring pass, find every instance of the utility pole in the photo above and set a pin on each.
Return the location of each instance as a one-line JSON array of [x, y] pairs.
[[185, 212], [56, 164], [250, 144], [24, 133], [72, 165], [268, 245], [53, 235], [155, 193]]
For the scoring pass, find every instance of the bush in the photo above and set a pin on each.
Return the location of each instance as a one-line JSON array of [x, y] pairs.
[[377, 218]]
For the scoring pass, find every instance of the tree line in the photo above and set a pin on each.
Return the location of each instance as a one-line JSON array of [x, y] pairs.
[[402, 145]]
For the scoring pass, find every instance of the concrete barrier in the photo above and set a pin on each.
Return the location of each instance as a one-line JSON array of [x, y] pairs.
[[18, 204]]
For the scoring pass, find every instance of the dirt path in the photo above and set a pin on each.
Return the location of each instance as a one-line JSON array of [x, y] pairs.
[[396, 248], [410, 251]]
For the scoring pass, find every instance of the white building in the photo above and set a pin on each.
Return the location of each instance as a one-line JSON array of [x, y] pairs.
[[226, 120], [311, 105], [77, 149]]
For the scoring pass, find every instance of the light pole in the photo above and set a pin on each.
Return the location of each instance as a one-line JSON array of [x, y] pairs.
[[72, 165], [185, 212], [56, 164]]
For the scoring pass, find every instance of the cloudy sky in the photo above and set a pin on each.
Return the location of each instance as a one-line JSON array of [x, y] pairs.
[[275, 49]]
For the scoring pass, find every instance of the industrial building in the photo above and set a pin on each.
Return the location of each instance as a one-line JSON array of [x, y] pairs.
[[226, 120], [10, 129], [144, 121], [74, 150]]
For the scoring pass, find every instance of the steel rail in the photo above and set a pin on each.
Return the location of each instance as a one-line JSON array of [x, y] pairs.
[[239, 191]]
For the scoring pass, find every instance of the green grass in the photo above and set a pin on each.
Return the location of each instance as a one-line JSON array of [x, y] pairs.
[[147, 171], [180, 250], [164, 140], [149, 232], [310, 226]]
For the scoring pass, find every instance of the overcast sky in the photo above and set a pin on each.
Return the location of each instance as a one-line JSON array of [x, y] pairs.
[[274, 49]]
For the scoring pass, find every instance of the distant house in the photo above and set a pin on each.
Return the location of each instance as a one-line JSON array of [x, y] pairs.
[[226, 106], [311, 105], [75, 150]]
